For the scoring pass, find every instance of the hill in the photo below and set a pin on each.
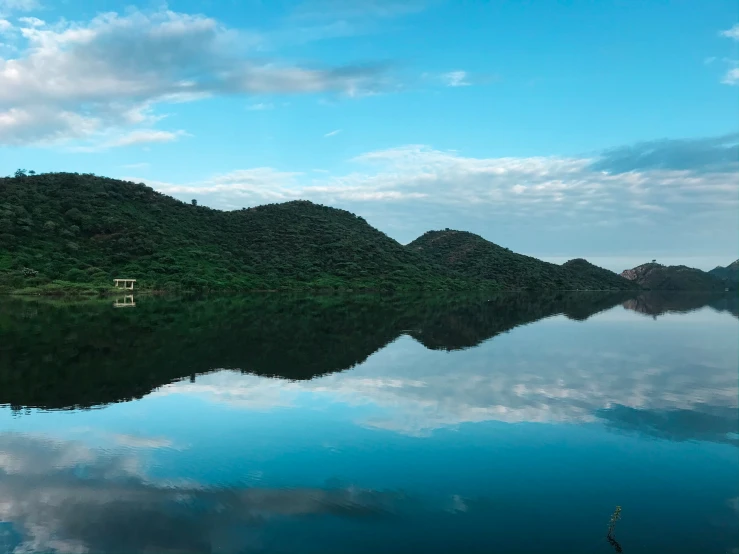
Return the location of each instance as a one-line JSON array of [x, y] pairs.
[[654, 276], [585, 269], [84, 230], [476, 258], [729, 273]]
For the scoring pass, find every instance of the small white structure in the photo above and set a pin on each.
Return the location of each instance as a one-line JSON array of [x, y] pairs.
[[124, 283]]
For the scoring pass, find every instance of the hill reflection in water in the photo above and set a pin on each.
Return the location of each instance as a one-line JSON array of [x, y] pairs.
[[356, 423], [58, 355]]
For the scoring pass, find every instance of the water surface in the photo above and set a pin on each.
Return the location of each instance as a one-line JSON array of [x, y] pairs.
[[512, 424]]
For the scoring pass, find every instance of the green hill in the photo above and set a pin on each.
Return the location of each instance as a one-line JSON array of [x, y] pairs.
[[654, 276], [474, 257], [585, 269], [729, 273], [83, 230]]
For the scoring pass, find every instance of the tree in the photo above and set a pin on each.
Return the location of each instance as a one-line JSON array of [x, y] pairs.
[[20, 173], [31, 172], [194, 202]]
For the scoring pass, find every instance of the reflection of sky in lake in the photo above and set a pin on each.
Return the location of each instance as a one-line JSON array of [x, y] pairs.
[[525, 443]]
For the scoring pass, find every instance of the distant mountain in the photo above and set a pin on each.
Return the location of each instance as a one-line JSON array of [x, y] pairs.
[[474, 257], [654, 276], [729, 273]]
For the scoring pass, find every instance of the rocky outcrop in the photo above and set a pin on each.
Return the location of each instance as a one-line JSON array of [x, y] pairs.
[[655, 276], [639, 273]]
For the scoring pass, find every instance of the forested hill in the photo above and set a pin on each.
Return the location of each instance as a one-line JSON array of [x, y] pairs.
[[79, 230], [476, 258], [86, 229]]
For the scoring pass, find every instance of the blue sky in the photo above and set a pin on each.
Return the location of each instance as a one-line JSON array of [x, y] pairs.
[[604, 129]]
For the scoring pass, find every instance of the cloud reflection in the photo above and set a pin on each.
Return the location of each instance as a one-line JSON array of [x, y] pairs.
[[686, 392], [68, 498]]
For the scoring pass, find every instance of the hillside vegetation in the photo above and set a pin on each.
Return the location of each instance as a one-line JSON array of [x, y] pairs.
[[61, 231], [83, 230], [654, 276], [476, 258]]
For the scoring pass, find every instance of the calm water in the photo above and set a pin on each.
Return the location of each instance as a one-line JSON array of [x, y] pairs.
[[513, 424]]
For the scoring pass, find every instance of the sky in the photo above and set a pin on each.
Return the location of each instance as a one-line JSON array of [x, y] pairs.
[[607, 130]]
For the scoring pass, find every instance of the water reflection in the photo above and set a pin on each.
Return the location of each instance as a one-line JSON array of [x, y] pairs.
[[662, 302], [124, 302], [82, 355], [335, 424], [57, 355], [67, 497], [631, 376]]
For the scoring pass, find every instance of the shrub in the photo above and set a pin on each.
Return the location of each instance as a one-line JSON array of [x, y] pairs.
[[74, 215], [77, 276]]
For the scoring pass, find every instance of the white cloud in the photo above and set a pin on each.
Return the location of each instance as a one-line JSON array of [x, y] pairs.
[[75, 80], [7, 6], [553, 188], [5, 25], [261, 106], [43, 123], [332, 133], [32, 21], [236, 189], [146, 136], [456, 79], [133, 138], [677, 195], [731, 77], [732, 33]]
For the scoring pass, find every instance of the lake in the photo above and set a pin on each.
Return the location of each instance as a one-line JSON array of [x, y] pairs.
[[332, 424]]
